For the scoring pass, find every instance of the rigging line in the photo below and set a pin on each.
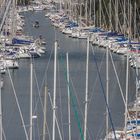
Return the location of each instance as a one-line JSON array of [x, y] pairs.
[[2, 7], [129, 118], [55, 118], [40, 90], [119, 83], [19, 108], [107, 12], [79, 106], [100, 66], [101, 130], [75, 93], [119, 23], [103, 92], [138, 13], [35, 109], [95, 81], [5, 14], [43, 81], [60, 100], [104, 18], [3, 132], [108, 16], [119, 20], [37, 102], [117, 77], [42, 106], [73, 102]]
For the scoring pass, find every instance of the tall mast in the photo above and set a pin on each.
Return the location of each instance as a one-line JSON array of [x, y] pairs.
[[107, 92], [126, 95], [31, 99], [86, 93], [70, 5], [54, 93], [130, 20], [45, 112], [94, 12], [127, 68], [100, 13], [137, 80], [124, 16], [0, 111], [69, 108], [86, 12], [116, 15], [80, 3], [110, 17], [135, 9], [13, 18], [90, 10]]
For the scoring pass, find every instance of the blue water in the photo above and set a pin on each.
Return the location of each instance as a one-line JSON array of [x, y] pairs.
[[43, 73]]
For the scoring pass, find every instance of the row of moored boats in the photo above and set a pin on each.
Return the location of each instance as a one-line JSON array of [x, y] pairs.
[[117, 43]]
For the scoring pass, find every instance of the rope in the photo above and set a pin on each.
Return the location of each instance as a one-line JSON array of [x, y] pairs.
[[60, 135], [103, 92], [73, 102], [118, 81], [59, 91], [19, 108]]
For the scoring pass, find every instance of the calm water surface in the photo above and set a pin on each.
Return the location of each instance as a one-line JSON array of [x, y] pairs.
[[43, 70]]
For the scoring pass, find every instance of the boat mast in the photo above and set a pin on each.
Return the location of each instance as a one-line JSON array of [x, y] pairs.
[[126, 95], [86, 12], [124, 17], [107, 76], [70, 8], [100, 13], [137, 80], [54, 93], [80, 17], [13, 18], [68, 87], [45, 112], [5, 14], [86, 93], [94, 12], [31, 99], [116, 15], [127, 67], [135, 27], [110, 17], [0, 112], [90, 10], [107, 92]]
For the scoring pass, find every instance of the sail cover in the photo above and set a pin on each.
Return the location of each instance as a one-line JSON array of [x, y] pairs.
[[21, 41]]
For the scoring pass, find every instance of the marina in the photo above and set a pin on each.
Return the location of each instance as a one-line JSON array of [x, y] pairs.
[[56, 80], [77, 54]]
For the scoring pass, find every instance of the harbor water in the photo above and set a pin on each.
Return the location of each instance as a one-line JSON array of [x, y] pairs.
[[18, 82]]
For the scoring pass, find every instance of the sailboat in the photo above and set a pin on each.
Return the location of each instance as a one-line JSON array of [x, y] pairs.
[[131, 128]]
